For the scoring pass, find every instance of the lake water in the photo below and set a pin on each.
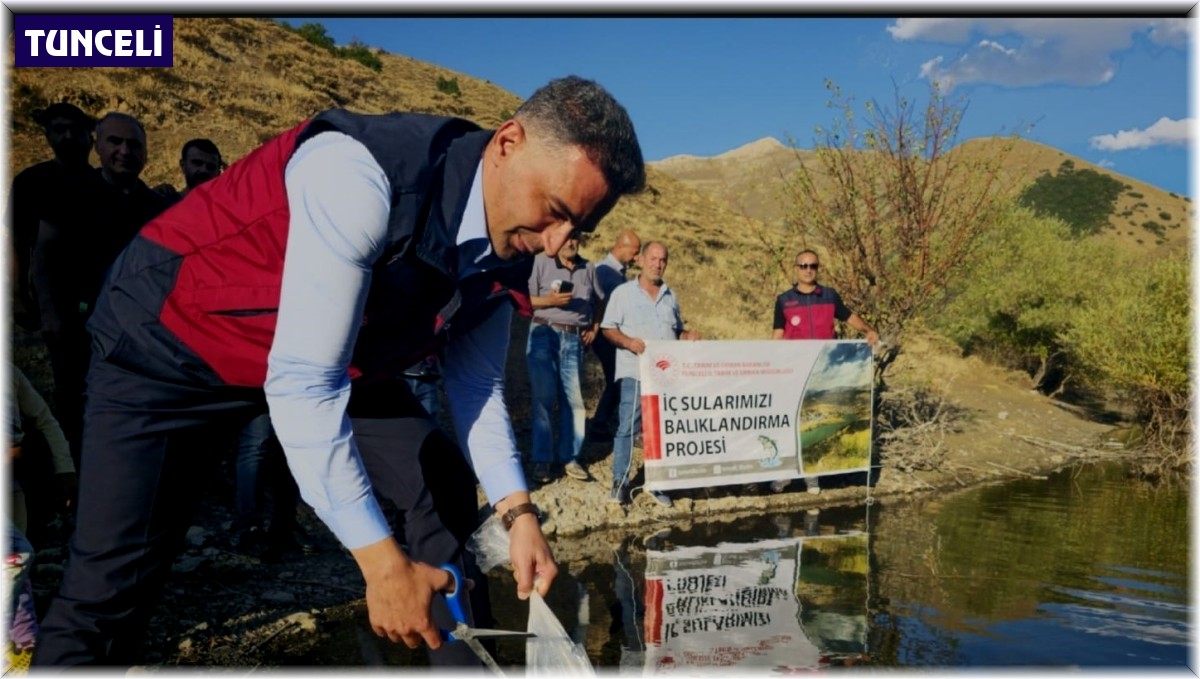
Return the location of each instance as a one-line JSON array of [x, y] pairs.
[[1085, 569]]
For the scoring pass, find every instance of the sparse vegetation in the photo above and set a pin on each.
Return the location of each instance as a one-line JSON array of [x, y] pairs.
[[1133, 194], [356, 51], [1083, 199], [1164, 215], [1153, 227]]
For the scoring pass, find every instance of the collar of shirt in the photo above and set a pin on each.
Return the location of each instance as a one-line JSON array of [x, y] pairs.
[[577, 259], [613, 262], [474, 247]]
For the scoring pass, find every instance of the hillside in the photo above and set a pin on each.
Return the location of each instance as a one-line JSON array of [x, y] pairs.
[[242, 81], [749, 180]]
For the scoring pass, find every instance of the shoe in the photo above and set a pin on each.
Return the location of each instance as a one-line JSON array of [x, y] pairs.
[[814, 486], [294, 540], [576, 471], [541, 472], [249, 541], [619, 496], [779, 485], [752, 488], [661, 498]]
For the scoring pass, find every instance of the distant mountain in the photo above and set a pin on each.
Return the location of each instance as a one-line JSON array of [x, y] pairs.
[[749, 180]]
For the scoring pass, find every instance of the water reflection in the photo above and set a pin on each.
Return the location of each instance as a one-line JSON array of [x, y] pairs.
[[1085, 569]]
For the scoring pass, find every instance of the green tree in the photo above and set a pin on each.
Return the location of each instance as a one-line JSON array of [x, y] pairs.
[[897, 206], [316, 34], [1084, 199]]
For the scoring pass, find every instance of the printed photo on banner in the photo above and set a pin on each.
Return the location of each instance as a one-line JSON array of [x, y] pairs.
[[732, 412]]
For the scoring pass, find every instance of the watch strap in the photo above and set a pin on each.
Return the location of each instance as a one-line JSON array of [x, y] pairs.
[[511, 515]]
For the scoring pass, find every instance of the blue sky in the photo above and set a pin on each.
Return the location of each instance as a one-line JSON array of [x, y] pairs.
[[1112, 91]]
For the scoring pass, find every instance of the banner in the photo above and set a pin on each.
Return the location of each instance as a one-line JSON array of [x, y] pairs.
[[748, 605], [733, 412]]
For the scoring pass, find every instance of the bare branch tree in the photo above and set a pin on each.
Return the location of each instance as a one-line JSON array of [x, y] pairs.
[[897, 206]]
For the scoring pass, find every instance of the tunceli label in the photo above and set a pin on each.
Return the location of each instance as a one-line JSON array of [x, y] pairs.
[[83, 40]]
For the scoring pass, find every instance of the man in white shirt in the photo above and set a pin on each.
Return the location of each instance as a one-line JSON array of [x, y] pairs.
[[306, 279]]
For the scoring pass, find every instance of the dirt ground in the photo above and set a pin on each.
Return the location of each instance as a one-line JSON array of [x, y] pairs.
[[225, 607]]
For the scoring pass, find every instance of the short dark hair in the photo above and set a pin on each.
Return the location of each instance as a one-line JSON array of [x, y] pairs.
[[117, 115], [808, 251], [201, 144], [43, 116], [579, 112]]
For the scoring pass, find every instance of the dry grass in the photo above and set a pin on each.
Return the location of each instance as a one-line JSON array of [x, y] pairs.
[[748, 181]]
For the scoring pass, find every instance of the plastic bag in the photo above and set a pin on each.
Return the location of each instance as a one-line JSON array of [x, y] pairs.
[[552, 652]]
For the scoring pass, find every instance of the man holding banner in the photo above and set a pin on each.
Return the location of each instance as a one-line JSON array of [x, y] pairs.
[[642, 309], [806, 311]]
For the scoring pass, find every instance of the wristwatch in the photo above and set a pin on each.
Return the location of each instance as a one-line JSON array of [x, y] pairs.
[[511, 515]]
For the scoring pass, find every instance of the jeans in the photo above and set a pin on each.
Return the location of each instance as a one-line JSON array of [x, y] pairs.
[[610, 399], [629, 422], [426, 392], [555, 362], [261, 467]]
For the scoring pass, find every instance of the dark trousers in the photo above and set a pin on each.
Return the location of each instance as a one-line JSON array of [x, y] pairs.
[[611, 398], [147, 441], [70, 353]]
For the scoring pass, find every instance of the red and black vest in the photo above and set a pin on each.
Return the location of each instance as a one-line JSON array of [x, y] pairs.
[[196, 294], [809, 315]]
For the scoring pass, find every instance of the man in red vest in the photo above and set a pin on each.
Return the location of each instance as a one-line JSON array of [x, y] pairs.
[[304, 281], [807, 311]]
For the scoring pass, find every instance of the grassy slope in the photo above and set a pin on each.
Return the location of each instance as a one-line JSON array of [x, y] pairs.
[[747, 179]]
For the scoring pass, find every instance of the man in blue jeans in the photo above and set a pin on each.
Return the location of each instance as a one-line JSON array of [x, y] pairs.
[[565, 300], [642, 309]]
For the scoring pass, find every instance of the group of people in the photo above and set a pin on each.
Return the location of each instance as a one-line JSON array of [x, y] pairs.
[[314, 287], [576, 305]]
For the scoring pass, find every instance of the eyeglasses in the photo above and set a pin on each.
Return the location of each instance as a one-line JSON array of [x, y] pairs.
[[814, 266]]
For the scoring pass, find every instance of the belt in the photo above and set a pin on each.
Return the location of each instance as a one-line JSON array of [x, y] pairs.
[[562, 327]]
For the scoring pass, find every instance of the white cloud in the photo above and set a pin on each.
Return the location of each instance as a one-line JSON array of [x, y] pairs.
[[1106, 163], [1165, 132], [1028, 52]]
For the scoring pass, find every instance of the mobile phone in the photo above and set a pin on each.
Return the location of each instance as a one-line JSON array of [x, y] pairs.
[[563, 286]]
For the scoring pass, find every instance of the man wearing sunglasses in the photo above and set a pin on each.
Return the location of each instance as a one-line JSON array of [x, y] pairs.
[[807, 311]]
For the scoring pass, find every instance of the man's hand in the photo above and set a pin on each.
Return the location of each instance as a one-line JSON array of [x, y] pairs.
[[531, 558], [68, 488], [559, 299], [399, 592], [689, 335], [636, 345], [872, 338], [588, 336]]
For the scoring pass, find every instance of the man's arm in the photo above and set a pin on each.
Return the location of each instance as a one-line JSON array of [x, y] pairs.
[[339, 201], [474, 373], [856, 322], [553, 300], [777, 326], [40, 265]]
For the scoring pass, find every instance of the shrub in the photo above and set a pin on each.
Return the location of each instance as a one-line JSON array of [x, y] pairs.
[[364, 55], [1135, 337], [314, 33], [1083, 199], [1134, 194], [1164, 215], [1153, 227], [448, 86]]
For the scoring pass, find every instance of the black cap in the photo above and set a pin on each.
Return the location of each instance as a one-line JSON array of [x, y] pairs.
[[62, 109]]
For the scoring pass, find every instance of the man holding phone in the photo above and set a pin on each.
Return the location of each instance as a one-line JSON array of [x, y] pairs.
[[566, 301]]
